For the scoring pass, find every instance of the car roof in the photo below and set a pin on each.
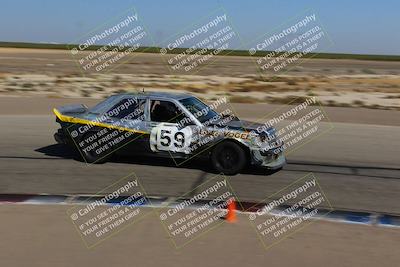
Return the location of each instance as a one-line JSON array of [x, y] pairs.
[[177, 96], [113, 99]]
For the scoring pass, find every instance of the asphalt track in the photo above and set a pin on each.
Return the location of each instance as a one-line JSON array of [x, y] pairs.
[[357, 165], [44, 234]]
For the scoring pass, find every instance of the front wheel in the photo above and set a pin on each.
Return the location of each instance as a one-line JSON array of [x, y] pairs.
[[228, 158]]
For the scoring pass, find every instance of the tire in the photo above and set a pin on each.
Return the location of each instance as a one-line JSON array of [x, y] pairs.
[[228, 158]]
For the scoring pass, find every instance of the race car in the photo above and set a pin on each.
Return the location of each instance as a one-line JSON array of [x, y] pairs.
[[179, 126]]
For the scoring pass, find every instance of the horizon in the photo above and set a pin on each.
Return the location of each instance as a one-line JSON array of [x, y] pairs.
[[14, 45], [348, 24]]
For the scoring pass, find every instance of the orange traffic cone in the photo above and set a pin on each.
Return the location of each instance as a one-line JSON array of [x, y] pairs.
[[231, 215]]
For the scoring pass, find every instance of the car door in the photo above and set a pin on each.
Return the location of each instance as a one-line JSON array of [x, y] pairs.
[[168, 125], [134, 119]]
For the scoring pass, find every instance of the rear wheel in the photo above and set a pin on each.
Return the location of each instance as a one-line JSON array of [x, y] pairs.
[[228, 158]]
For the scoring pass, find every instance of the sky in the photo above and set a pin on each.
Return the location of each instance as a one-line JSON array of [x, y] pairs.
[[353, 26]]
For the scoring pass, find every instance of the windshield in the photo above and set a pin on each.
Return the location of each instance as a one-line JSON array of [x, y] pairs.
[[200, 110]]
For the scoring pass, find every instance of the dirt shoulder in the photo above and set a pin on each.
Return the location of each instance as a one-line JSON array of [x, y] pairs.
[[336, 82]]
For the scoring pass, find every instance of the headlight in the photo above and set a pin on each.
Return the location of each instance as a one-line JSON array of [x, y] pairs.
[[267, 136]]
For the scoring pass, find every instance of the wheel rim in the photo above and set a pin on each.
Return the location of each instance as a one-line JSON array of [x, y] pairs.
[[227, 159]]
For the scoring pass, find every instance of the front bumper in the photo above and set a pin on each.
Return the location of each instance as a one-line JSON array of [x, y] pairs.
[[277, 163], [272, 161]]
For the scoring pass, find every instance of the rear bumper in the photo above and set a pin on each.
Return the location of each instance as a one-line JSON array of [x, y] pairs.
[[60, 137]]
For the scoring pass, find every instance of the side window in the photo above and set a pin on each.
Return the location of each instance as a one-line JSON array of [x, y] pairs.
[[166, 111], [139, 111], [128, 108]]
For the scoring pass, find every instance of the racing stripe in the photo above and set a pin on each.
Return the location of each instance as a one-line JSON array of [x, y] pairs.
[[70, 119]]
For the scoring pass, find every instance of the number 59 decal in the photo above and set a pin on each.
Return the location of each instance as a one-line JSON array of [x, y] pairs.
[[170, 138]]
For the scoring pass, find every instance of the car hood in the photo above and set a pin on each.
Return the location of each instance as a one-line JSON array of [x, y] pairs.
[[244, 125]]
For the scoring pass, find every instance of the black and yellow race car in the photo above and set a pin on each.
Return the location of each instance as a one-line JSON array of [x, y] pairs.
[[179, 126]]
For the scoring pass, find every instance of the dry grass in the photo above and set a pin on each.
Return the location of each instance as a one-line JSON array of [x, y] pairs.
[[197, 90], [392, 96], [358, 103], [291, 82], [243, 99], [286, 100], [377, 91]]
